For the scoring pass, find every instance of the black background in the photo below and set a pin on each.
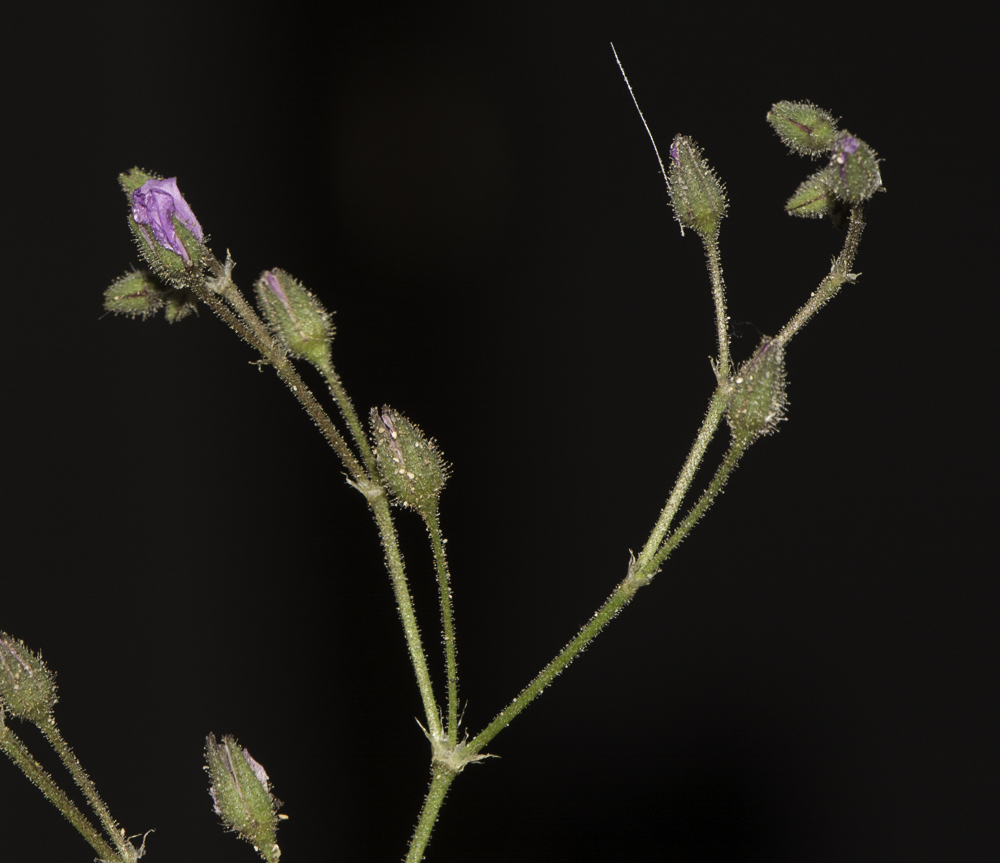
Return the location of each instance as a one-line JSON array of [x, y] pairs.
[[814, 674]]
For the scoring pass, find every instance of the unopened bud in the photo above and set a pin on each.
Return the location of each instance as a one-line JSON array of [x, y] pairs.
[[411, 466], [697, 195], [803, 127], [854, 170], [757, 402], [141, 294], [27, 687], [297, 319], [166, 230], [137, 294], [241, 792]]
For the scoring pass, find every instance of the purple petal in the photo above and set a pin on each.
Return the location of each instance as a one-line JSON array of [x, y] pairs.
[[275, 285], [155, 204], [258, 771]]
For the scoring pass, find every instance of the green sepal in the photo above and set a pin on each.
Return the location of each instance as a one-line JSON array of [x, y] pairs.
[[697, 194], [757, 400], [412, 468], [296, 318], [803, 127], [242, 794], [27, 686]]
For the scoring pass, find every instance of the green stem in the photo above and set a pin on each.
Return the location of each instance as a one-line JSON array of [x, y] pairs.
[[840, 272], [14, 747], [724, 366], [716, 409], [84, 783], [700, 508], [604, 615], [447, 625], [442, 779], [261, 340], [639, 575], [351, 418], [397, 574]]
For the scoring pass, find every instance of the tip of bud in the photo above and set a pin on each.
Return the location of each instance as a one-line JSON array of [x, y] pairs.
[[27, 687], [411, 466]]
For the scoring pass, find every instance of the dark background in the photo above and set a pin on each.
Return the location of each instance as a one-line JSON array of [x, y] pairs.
[[813, 676]]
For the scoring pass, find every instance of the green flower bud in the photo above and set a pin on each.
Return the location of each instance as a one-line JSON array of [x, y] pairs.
[[137, 294], [179, 304], [803, 127], [241, 792], [854, 170], [141, 294], [165, 228], [757, 401], [697, 195], [27, 687], [297, 319], [412, 469]]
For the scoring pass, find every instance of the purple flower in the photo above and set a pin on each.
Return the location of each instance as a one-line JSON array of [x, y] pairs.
[[155, 204]]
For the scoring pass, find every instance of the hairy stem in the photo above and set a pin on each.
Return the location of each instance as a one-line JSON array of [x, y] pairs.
[[404, 603], [14, 747], [86, 785], [716, 408], [840, 272], [447, 625], [639, 575], [723, 366], [442, 779]]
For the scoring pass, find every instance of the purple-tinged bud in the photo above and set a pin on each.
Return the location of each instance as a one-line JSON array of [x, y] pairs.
[[136, 294], [296, 318], [141, 294], [411, 466], [757, 401], [241, 793], [803, 127], [854, 170], [27, 687], [170, 238], [698, 197]]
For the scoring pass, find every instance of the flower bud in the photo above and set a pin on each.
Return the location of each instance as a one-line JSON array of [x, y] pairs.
[[803, 127], [169, 236], [137, 294], [241, 792], [141, 294], [297, 319], [412, 469], [757, 401], [27, 687], [854, 170], [697, 195]]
